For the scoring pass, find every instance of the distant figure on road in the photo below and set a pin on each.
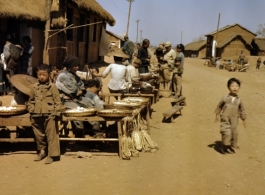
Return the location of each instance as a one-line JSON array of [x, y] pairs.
[[258, 63], [241, 58]]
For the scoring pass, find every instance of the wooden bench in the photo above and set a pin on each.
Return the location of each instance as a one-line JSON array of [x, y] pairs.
[[181, 101], [171, 112]]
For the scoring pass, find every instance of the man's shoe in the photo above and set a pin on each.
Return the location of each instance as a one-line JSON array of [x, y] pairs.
[[48, 160], [40, 157]]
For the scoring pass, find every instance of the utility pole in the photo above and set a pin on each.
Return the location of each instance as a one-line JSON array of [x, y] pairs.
[[130, 1], [181, 38], [137, 31], [214, 49], [141, 35]]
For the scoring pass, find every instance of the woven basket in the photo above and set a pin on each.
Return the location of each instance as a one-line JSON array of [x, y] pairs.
[[75, 113], [111, 106], [126, 103], [18, 109], [114, 113], [137, 99]]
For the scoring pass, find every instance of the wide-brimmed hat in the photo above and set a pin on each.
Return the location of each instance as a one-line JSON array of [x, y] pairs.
[[137, 61], [118, 53], [168, 44], [22, 82]]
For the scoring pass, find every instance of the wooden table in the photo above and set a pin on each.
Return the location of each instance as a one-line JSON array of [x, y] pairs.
[[11, 122]]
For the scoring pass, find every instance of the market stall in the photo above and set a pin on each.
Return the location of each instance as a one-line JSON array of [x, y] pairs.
[[121, 114]]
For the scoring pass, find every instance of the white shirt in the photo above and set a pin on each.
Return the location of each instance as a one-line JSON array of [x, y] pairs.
[[131, 72], [118, 75], [170, 57]]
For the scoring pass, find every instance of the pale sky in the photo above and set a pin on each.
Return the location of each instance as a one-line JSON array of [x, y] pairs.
[[163, 20]]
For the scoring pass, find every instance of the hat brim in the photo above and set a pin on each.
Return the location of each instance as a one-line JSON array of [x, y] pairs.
[[22, 82], [118, 53]]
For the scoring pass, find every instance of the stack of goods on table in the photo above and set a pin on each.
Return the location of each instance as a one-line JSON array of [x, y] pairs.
[[144, 84], [135, 138]]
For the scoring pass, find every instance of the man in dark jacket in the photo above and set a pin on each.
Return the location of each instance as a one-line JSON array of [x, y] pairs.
[[144, 56]]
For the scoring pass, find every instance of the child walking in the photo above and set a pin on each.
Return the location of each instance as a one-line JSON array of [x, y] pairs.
[[230, 108], [44, 106]]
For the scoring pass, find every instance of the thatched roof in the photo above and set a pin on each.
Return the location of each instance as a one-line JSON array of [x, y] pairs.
[[226, 27], [224, 42], [115, 35], [195, 46], [36, 9], [92, 5], [28, 9], [260, 42]]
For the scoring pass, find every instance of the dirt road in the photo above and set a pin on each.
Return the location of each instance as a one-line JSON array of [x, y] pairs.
[[186, 163]]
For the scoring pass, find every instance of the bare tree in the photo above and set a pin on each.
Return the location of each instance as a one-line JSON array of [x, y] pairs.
[[261, 30], [200, 38]]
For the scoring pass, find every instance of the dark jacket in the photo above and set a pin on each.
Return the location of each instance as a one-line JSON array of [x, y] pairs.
[[143, 55]]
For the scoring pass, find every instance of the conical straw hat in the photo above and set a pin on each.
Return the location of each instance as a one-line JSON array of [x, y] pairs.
[[22, 82], [118, 53]]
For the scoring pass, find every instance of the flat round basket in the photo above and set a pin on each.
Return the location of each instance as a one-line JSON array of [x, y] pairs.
[[126, 103], [137, 99], [12, 110], [84, 112], [114, 113], [111, 106]]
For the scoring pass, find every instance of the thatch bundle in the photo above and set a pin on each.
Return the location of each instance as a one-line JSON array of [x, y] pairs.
[[58, 22], [55, 5]]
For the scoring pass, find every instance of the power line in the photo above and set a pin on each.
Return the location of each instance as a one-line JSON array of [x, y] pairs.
[[118, 8]]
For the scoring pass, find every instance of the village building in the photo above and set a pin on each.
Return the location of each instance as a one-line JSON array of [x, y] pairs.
[[258, 45], [58, 28], [115, 41], [231, 40], [195, 49]]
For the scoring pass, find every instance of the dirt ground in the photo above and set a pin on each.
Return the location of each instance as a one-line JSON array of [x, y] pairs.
[[187, 161]]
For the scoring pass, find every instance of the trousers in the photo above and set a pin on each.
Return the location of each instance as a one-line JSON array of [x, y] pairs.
[[176, 84], [229, 130], [46, 134]]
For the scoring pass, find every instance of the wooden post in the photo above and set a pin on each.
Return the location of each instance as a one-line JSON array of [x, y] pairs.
[[46, 34]]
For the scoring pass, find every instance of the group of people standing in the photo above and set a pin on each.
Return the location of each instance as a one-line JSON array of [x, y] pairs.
[[15, 59], [171, 66]]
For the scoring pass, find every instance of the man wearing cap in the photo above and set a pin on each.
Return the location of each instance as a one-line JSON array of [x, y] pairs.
[[128, 48], [162, 45], [132, 71], [167, 62], [117, 83], [144, 56], [72, 90]]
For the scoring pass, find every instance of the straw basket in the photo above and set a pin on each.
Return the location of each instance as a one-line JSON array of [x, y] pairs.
[[76, 113], [114, 113], [126, 103], [12, 110], [141, 100], [111, 106]]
